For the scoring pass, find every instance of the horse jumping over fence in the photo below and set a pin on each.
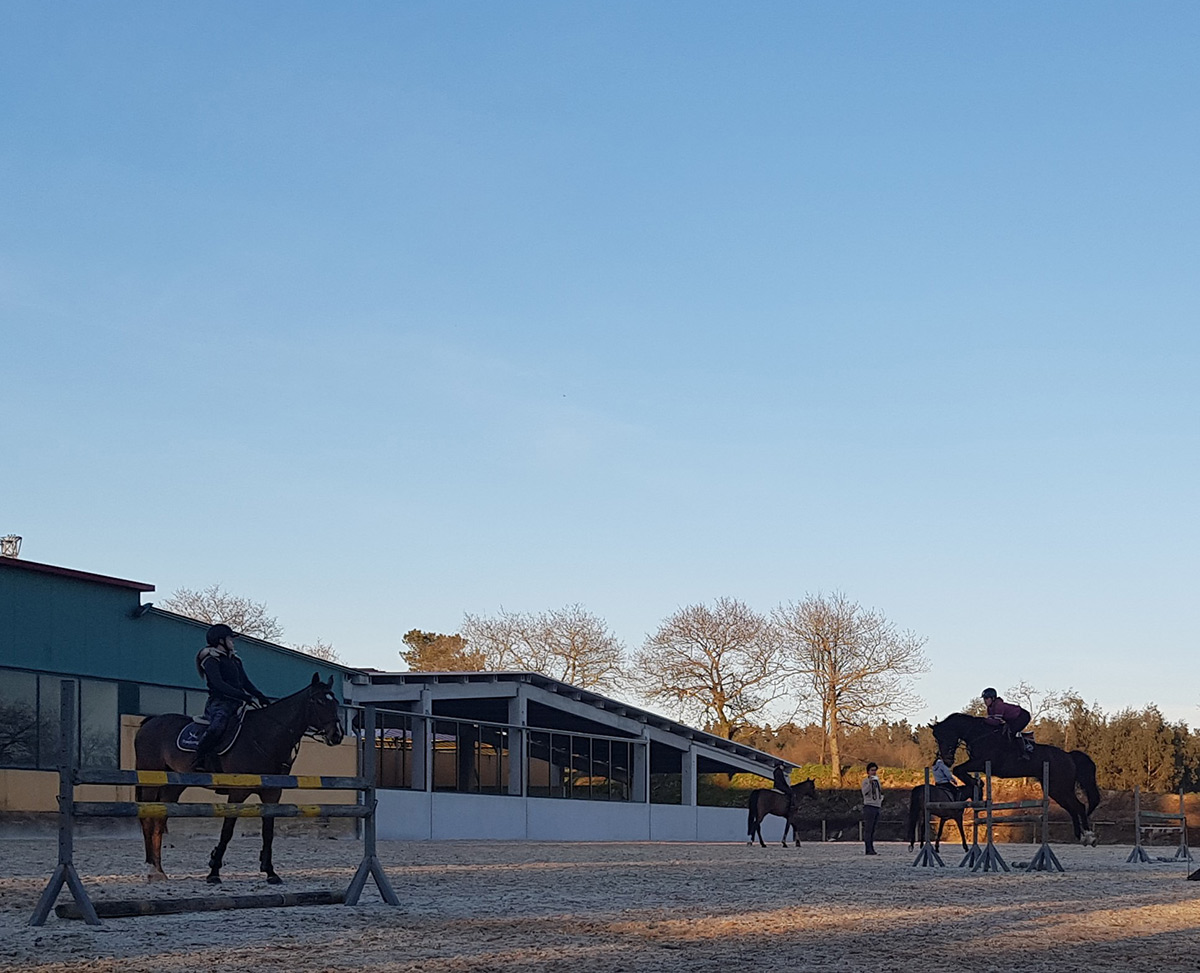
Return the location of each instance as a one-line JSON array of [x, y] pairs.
[[986, 742], [267, 744], [938, 793], [765, 801]]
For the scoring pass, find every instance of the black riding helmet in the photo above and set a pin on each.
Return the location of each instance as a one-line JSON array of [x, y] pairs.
[[218, 632], [988, 693]]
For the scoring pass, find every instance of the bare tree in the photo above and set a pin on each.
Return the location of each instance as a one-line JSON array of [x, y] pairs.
[[855, 662], [569, 644], [583, 650], [213, 605], [320, 650], [434, 652], [1039, 704], [717, 666]]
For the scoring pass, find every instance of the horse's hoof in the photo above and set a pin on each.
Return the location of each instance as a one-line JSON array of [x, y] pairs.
[[213, 880], [274, 880], [153, 876]]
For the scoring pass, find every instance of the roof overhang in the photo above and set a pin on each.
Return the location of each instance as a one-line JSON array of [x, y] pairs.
[[22, 564], [376, 686]]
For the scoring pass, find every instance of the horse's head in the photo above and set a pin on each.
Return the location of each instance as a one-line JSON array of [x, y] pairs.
[[947, 734], [321, 710], [806, 788]]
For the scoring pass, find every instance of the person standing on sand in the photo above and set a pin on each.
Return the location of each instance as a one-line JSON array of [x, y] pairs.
[[872, 795]]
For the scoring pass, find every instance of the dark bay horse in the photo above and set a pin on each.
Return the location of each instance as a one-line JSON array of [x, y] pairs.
[[267, 744], [938, 793], [765, 801], [985, 742]]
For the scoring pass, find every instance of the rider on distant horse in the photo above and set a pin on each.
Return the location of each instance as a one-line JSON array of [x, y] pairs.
[[783, 785], [945, 777], [228, 688], [1012, 717]]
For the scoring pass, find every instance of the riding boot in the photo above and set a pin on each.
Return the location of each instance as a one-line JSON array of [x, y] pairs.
[[206, 757]]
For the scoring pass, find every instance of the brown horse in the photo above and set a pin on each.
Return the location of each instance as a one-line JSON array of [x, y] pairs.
[[267, 744], [938, 794], [764, 801]]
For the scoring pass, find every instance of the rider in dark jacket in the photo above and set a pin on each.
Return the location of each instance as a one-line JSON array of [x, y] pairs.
[[783, 784], [228, 688], [1012, 717]]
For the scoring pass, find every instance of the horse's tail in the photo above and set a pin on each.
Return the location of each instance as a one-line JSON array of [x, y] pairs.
[[1085, 774], [750, 822]]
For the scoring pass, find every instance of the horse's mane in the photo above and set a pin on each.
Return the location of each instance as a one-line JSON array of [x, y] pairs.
[[957, 720], [967, 729]]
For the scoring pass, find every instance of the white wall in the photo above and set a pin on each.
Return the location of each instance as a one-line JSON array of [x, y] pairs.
[[421, 816]]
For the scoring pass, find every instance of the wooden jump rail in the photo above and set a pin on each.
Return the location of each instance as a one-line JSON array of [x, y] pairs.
[[1139, 855], [988, 858], [69, 810], [124, 908]]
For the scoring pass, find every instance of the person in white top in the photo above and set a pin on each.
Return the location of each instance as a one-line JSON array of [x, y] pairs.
[[872, 795]]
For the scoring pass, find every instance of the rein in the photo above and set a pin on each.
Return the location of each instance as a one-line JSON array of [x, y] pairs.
[[288, 728]]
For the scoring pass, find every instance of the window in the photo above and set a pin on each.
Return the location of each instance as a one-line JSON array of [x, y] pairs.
[[601, 770], [560, 765], [49, 697], [491, 760], [445, 755], [394, 744], [18, 719], [538, 764], [99, 733], [581, 768]]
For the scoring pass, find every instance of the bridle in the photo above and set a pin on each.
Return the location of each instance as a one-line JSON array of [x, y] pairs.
[[311, 728]]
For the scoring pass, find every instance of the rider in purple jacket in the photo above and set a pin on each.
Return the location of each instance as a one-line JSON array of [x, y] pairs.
[[1012, 717]]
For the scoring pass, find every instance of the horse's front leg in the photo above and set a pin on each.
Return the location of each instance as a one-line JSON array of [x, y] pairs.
[[966, 773], [265, 863], [151, 840], [154, 828], [217, 858]]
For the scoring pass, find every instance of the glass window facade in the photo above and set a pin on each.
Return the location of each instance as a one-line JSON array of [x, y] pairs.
[[30, 718], [588, 768], [469, 757]]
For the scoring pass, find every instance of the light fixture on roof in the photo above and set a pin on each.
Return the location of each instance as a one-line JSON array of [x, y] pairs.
[[10, 545]]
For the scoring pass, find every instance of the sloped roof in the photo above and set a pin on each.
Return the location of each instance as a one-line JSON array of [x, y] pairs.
[[584, 696], [24, 565]]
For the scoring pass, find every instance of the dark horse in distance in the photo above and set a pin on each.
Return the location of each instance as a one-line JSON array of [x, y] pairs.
[[766, 801], [985, 742], [938, 793], [267, 744]]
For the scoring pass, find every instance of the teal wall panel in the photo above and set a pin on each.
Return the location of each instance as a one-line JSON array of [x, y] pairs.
[[55, 623]]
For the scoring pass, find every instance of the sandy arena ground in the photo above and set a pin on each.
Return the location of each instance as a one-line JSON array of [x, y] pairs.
[[587, 908]]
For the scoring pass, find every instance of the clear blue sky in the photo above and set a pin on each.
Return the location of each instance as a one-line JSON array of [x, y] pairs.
[[385, 312]]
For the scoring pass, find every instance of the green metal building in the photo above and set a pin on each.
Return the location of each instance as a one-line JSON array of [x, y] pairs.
[[129, 658]]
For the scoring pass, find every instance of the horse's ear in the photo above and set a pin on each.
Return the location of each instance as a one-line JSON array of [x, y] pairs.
[[316, 679]]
